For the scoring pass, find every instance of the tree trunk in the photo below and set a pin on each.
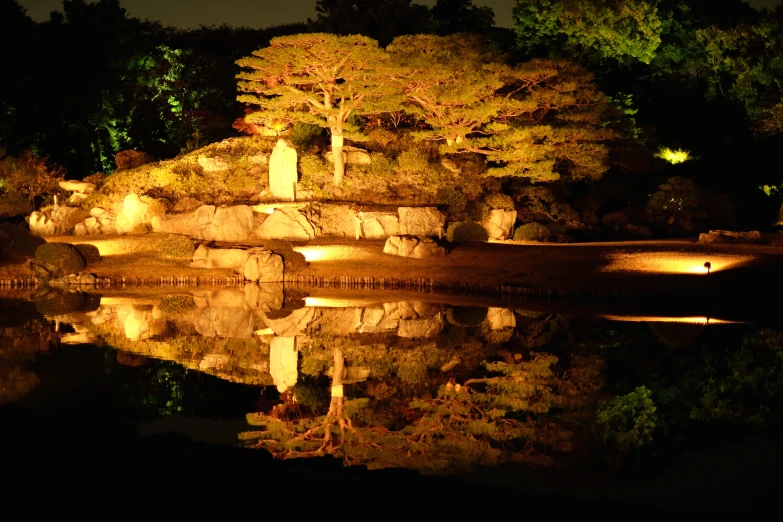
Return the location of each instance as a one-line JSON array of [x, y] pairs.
[[337, 157]]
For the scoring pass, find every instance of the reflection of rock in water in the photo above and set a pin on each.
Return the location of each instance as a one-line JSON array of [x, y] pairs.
[[283, 362]]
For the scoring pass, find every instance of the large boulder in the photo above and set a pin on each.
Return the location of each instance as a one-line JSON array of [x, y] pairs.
[[500, 223], [412, 246], [282, 170], [352, 156], [79, 189], [233, 258], [283, 361], [376, 225], [286, 223], [56, 222], [133, 215], [229, 224], [264, 267], [421, 221], [422, 327], [727, 236], [193, 224]]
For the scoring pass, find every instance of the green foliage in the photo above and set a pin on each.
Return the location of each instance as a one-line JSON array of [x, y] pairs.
[[310, 395], [174, 304], [413, 161], [676, 205], [497, 200], [628, 421], [176, 246], [453, 198], [63, 258], [314, 171], [466, 233], [624, 30], [532, 232], [303, 134]]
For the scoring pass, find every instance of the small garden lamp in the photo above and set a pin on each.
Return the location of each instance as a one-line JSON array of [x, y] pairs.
[[708, 265]]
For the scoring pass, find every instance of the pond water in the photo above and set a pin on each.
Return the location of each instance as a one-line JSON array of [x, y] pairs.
[[584, 402]]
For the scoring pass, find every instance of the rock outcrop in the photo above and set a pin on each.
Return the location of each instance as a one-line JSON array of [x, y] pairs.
[[286, 223], [133, 216], [727, 236], [377, 225], [412, 246], [57, 221], [256, 264], [282, 171], [79, 190]]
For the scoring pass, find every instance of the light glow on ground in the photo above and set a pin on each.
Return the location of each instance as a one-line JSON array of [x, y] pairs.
[[655, 319], [673, 263], [332, 253], [332, 302]]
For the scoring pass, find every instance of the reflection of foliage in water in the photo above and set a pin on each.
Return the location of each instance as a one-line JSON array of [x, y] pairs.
[[629, 420], [487, 420], [162, 388], [18, 346]]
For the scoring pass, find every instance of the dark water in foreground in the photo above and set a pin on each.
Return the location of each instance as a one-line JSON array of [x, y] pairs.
[[385, 399]]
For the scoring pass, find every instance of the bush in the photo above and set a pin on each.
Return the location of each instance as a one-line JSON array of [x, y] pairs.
[[314, 171], [29, 176], [13, 205], [466, 233], [453, 198], [60, 303], [176, 246], [532, 232], [381, 137], [499, 201], [294, 261], [412, 161], [96, 179], [130, 159], [62, 258]]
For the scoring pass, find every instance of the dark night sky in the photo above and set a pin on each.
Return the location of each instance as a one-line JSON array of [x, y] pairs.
[[252, 13]]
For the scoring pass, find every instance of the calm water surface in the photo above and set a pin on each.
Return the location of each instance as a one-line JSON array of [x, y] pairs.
[[672, 411]]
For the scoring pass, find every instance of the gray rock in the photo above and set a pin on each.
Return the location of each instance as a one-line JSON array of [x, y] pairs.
[[412, 246], [56, 222], [264, 267], [134, 212], [212, 164], [376, 225], [421, 221]]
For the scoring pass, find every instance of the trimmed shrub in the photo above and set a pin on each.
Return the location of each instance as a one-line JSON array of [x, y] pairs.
[[466, 233], [61, 257], [532, 232], [175, 246], [96, 179], [498, 201], [314, 170], [294, 261]]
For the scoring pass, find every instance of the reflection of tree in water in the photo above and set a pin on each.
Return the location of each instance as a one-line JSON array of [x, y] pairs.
[[510, 412], [19, 345]]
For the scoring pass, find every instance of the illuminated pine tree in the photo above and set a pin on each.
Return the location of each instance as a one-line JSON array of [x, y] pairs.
[[320, 79]]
